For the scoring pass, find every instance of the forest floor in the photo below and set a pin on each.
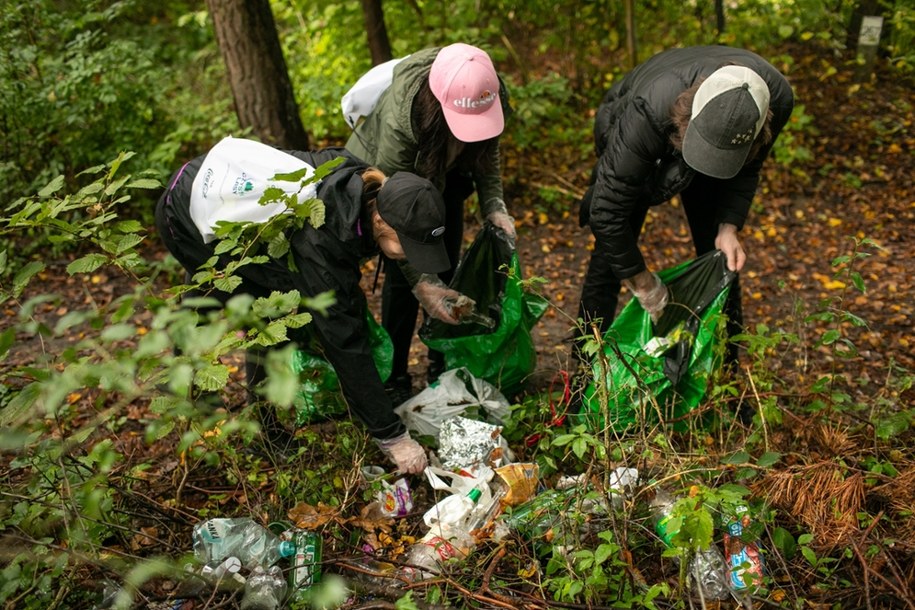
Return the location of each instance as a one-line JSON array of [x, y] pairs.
[[858, 184]]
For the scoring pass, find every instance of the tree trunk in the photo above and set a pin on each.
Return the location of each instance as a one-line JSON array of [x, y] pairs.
[[719, 16], [630, 34], [250, 46], [379, 44], [861, 10]]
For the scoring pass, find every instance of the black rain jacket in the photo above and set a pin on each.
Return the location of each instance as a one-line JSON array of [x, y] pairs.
[[637, 163]]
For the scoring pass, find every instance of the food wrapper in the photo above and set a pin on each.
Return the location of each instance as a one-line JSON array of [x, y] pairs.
[[464, 442], [520, 481]]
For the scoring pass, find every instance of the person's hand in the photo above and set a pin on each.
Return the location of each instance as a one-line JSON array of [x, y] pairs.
[[505, 222], [727, 242], [407, 454], [436, 297], [650, 291]]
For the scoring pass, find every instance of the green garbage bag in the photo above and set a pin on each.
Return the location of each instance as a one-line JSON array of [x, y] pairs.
[[319, 396], [489, 272], [661, 371]]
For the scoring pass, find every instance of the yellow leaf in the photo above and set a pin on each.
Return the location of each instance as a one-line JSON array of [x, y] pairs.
[[834, 285], [834, 222]]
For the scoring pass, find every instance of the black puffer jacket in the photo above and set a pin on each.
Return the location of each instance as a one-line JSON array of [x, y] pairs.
[[637, 164]]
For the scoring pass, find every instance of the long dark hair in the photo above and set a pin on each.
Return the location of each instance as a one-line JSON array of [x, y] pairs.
[[433, 136], [682, 110]]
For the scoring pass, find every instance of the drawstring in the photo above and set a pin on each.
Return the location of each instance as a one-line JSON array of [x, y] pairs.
[[377, 272]]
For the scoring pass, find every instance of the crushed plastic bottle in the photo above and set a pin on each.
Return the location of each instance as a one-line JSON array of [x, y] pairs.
[[264, 589], [707, 569], [254, 545], [425, 557], [743, 557]]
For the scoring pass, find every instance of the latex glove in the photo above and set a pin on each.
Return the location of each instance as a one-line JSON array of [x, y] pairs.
[[505, 222], [407, 454], [727, 242], [650, 291], [436, 298]]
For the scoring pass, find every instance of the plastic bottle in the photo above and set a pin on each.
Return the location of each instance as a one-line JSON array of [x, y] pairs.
[[264, 589], [452, 513], [425, 558], [744, 561], [253, 545], [707, 569]]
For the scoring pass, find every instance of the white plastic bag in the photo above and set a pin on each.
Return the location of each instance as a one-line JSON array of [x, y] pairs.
[[362, 97], [455, 392]]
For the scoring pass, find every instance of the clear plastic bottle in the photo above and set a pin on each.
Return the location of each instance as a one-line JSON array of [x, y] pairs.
[[452, 513], [707, 568], [264, 589], [253, 544], [425, 558]]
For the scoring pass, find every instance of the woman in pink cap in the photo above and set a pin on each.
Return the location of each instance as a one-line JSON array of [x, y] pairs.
[[440, 118]]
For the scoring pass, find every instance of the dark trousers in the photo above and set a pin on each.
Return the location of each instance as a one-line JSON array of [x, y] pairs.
[[399, 308], [600, 293]]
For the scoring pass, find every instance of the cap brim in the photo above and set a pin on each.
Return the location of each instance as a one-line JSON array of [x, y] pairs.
[[705, 158], [475, 127], [425, 258]]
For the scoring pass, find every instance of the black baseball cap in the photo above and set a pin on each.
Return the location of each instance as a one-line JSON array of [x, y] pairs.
[[416, 211]]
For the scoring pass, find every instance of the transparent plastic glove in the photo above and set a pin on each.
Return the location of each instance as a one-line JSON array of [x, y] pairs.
[[435, 296], [727, 242], [505, 222], [407, 454], [651, 293]]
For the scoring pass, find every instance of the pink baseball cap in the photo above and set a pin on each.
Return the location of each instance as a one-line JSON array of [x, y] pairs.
[[464, 81]]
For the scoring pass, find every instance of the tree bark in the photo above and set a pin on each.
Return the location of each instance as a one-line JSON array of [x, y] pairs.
[[376, 31], [250, 46], [631, 48], [719, 16]]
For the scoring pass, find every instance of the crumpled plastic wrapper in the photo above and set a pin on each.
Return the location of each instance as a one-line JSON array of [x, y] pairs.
[[464, 442]]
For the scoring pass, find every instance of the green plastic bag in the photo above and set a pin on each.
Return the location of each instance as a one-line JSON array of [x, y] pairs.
[[504, 355], [661, 371], [319, 396]]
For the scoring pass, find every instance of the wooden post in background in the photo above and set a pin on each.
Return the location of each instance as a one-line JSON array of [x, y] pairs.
[[868, 43]]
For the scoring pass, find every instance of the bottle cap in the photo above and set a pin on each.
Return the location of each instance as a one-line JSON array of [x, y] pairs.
[[286, 548], [475, 494]]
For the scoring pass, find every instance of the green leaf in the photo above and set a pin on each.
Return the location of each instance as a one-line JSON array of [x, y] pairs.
[[118, 332], [212, 378], [228, 284], [563, 439], [52, 187], [21, 279], [830, 336], [739, 457], [768, 459], [784, 542], [579, 447], [127, 242], [7, 337], [892, 426], [603, 552], [144, 183], [115, 186], [87, 264], [809, 555]]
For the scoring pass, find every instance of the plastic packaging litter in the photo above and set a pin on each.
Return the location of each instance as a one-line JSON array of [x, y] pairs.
[[707, 569], [264, 589], [425, 557], [744, 561], [452, 513], [252, 544]]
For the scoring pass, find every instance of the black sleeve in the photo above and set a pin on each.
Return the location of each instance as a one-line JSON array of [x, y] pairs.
[[625, 165], [324, 265]]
